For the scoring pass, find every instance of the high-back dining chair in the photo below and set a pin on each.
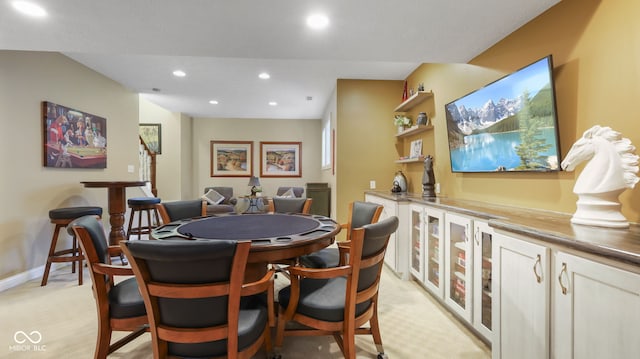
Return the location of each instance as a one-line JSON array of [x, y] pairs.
[[192, 290], [120, 306], [176, 210], [360, 214], [339, 301], [290, 205]]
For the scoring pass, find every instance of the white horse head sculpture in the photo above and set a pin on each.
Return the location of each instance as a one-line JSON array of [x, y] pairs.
[[612, 169]]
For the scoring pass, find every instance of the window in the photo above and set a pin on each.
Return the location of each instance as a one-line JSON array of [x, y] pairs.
[[326, 144]]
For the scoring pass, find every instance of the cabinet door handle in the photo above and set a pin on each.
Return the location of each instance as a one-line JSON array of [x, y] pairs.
[[535, 268], [564, 270]]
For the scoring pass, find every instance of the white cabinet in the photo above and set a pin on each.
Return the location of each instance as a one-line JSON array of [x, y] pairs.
[[458, 264], [596, 310], [426, 260], [587, 309], [397, 256], [482, 272], [416, 241], [434, 251], [520, 283]]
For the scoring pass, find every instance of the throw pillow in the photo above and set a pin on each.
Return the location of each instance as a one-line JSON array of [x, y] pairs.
[[213, 197], [288, 194]]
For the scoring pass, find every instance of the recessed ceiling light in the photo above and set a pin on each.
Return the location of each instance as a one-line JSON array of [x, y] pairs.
[[179, 73], [29, 8], [273, 103], [264, 76], [317, 21], [213, 102]]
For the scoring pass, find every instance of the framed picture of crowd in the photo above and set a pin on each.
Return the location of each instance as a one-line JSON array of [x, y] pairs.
[[73, 138], [280, 159], [231, 158]]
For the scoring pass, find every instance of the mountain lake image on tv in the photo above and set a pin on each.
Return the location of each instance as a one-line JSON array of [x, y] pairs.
[[508, 125]]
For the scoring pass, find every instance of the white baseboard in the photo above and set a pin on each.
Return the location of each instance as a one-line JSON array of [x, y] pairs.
[[23, 277]]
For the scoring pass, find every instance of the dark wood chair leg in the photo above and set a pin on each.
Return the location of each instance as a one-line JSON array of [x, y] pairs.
[[52, 251]]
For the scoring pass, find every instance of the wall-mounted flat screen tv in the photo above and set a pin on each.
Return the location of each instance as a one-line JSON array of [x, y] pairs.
[[508, 125]]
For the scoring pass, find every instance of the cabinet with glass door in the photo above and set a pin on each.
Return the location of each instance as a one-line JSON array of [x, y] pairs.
[[417, 246], [459, 259], [482, 267], [434, 251]]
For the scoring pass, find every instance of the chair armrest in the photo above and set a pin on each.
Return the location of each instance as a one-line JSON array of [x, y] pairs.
[[261, 285], [114, 251], [110, 269], [319, 273], [265, 284], [343, 249]]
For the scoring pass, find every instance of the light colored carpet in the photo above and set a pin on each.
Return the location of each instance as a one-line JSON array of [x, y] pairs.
[[413, 325]]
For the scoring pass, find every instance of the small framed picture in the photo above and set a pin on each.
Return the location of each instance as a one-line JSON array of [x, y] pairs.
[[231, 158], [151, 134], [416, 149], [280, 159]]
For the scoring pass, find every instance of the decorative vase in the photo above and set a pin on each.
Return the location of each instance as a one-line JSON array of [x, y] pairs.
[[400, 182], [400, 129], [422, 118]]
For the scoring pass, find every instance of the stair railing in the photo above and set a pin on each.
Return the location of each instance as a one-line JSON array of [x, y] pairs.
[[147, 171]]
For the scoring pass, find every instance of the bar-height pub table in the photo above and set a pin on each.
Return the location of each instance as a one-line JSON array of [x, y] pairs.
[[117, 205]]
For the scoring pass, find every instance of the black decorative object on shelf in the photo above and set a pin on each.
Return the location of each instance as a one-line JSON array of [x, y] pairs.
[[422, 119], [428, 178]]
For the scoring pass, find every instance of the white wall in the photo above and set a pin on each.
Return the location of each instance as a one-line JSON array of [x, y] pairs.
[[29, 190], [167, 183], [206, 130]]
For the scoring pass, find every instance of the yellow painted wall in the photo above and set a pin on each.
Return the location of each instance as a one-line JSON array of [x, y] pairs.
[[365, 150], [596, 53]]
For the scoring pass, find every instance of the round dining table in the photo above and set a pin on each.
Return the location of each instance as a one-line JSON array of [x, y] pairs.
[[275, 237], [117, 205]]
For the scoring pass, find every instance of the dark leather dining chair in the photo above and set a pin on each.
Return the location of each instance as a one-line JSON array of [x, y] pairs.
[[290, 205], [197, 302], [338, 301], [176, 210], [120, 306], [360, 214]]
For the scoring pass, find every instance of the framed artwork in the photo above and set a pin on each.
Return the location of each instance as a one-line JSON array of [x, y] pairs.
[[231, 158], [416, 149], [280, 159], [151, 133], [72, 138]]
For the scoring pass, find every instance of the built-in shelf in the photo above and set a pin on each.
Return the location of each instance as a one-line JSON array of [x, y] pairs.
[[410, 160], [414, 100], [414, 130]]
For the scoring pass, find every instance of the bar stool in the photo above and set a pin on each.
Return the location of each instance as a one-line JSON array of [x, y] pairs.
[[61, 217], [139, 205]]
